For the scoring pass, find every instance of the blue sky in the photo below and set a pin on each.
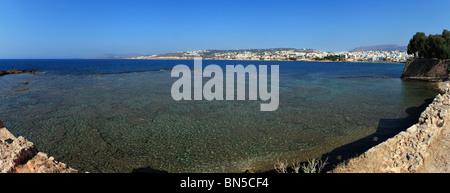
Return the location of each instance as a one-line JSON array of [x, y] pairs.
[[91, 28]]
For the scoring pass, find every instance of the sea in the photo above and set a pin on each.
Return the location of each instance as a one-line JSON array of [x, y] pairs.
[[118, 115]]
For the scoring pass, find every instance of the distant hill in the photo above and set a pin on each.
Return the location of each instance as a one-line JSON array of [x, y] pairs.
[[213, 53], [388, 47], [116, 56]]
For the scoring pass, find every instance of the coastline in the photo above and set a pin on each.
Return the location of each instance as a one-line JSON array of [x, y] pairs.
[[19, 155], [418, 149], [133, 58], [15, 71], [441, 85]]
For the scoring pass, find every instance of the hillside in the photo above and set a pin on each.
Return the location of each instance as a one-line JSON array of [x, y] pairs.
[[388, 47], [213, 53]]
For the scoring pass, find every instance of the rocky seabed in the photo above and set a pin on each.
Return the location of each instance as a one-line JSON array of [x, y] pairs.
[[407, 151], [403, 153]]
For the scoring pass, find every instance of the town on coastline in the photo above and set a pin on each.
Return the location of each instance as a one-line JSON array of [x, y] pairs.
[[288, 54]]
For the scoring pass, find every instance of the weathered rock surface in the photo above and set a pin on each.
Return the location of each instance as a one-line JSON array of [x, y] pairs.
[[17, 155], [426, 69], [409, 150]]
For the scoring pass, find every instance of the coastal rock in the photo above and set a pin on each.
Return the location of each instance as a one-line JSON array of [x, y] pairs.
[[408, 150], [17, 155], [5, 72], [426, 69], [41, 163], [14, 151]]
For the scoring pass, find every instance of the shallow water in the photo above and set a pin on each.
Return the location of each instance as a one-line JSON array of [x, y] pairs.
[[95, 117]]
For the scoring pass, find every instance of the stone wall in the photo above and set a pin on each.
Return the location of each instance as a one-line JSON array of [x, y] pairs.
[[426, 69], [17, 155], [405, 152]]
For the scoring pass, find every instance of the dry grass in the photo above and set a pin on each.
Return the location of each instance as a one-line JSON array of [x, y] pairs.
[[281, 166], [311, 166], [314, 166]]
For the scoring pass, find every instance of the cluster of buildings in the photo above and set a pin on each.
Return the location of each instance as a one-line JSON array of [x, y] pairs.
[[374, 56], [264, 54], [287, 54]]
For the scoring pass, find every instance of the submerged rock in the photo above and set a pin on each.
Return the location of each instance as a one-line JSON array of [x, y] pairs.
[[5, 72]]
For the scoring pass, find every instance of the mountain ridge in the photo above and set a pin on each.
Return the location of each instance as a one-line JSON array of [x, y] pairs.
[[384, 47]]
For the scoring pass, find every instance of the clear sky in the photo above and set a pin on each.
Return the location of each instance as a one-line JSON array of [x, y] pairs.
[[91, 28]]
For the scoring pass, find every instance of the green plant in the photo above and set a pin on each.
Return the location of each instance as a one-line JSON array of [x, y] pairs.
[[431, 46]]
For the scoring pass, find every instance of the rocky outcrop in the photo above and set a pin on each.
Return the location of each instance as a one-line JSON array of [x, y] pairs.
[[17, 155], [407, 151], [5, 72], [426, 69]]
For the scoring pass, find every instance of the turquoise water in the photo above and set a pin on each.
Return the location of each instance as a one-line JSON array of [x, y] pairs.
[[118, 115]]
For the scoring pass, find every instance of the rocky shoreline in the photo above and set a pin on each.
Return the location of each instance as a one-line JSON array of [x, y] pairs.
[[433, 70], [6, 72], [412, 150], [17, 155]]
